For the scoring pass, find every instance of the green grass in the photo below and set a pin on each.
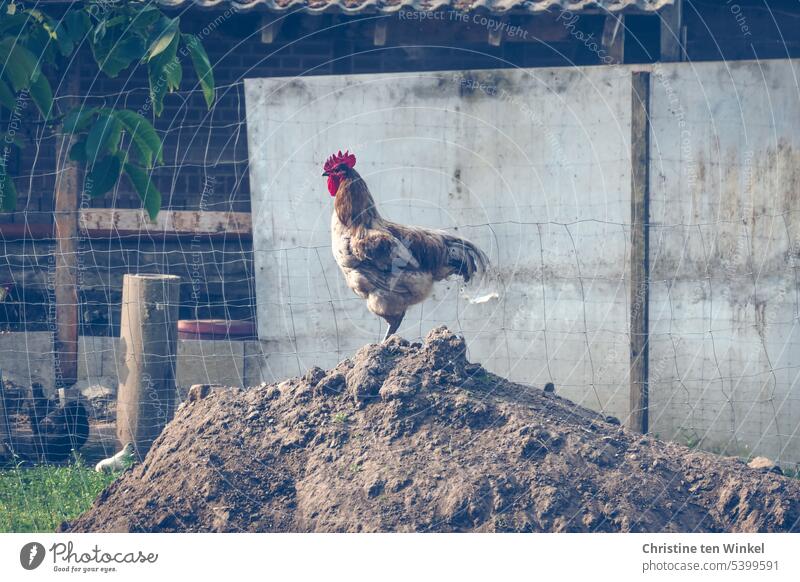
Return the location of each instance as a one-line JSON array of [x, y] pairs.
[[39, 498], [340, 418], [734, 450]]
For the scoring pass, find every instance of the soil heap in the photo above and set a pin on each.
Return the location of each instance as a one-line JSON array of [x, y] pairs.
[[413, 437]]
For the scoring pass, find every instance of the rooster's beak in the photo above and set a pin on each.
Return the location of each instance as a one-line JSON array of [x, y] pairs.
[[324, 173]]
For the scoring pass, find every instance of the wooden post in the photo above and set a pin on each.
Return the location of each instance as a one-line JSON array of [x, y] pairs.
[[672, 33], [149, 332], [639, 267], [67, 188], [613, 39]]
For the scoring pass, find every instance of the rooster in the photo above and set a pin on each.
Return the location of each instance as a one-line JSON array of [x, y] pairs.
[[390, 265]]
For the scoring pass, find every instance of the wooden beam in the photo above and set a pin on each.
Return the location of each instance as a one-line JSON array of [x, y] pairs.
[[25, 231], [538, 28], [106, 223], [67, 188], [613, 40], [119, 222], [640, 251], [672, 33]]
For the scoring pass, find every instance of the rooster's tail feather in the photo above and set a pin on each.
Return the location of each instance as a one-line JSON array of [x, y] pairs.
[[464, 258]]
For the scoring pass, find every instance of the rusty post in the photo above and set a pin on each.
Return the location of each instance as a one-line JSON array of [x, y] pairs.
[[65, 231]]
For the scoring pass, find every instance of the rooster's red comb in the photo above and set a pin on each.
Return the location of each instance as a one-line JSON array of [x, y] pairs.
[[339, 158]]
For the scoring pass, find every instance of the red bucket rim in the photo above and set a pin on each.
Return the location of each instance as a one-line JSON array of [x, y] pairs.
[[217, 327]]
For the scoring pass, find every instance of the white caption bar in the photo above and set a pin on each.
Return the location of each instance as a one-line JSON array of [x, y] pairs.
[[381, 557]]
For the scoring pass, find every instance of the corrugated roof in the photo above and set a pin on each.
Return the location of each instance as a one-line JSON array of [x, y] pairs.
[[388, 6]]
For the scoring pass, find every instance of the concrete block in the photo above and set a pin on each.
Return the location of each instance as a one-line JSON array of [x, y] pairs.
[[90, 356], [28, 357], [210, 362]]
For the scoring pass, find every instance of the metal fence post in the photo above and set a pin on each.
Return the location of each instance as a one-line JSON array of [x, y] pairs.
[[640, 248]]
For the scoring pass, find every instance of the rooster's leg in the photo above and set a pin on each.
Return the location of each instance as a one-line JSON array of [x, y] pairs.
[[394, 325]]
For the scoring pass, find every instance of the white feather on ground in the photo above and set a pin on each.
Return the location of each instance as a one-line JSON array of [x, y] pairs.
[[118, 462], [485, 298]]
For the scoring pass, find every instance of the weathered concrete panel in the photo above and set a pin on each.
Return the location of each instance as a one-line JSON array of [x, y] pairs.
[[725, 243], [210, 362], [27, 357], [93, 352], [532, 165]]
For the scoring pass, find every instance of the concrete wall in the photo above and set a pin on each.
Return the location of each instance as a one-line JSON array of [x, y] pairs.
[[532, 165], [725, 243], [28, 357]]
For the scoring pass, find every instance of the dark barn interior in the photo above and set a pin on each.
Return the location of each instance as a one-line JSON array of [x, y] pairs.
[[206, 161]]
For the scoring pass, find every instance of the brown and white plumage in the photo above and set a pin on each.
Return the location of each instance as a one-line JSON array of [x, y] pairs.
[[391, 265]]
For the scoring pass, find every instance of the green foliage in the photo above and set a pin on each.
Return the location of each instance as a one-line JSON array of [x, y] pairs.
[[103, 175], [116, 53], [169, 31], [39, 498], [151, 197], [144, 138], [103, 137], [42, 95], [34, 47], [8, 192], [691, 438], [20, 65], [201, 65], [78, 119], [99, 148], [70, 29], [164, 71], [6, 96]]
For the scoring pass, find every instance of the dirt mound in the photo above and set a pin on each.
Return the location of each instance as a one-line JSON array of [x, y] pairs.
[[411, 437]]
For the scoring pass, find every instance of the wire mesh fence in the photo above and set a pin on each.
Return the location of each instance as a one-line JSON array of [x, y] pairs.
[[723, 296], [204, 184], [557, 223]]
